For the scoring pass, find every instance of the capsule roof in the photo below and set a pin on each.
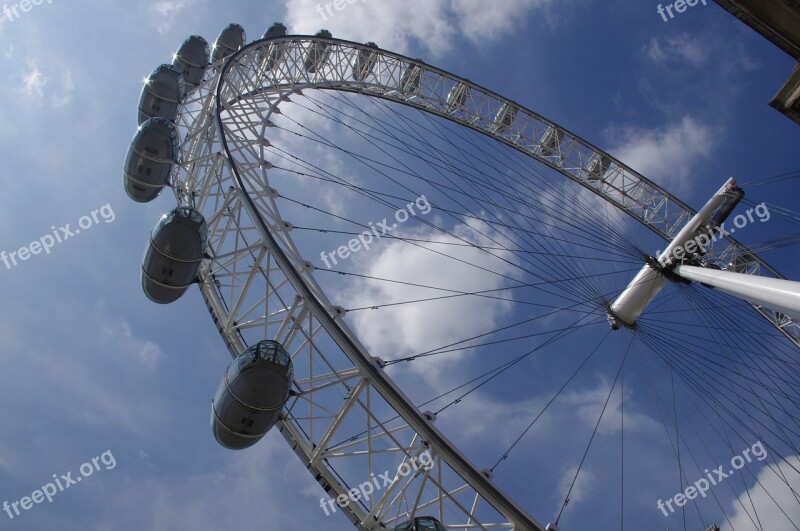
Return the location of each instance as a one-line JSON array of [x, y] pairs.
[[230, 40], [154, 134], [163, 73], [275, 31], [162, 93], [192, 59], [264, 351], [185, 213], [194, 51]]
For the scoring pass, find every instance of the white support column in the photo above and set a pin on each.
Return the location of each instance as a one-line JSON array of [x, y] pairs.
[[649, 282], [774, 293]]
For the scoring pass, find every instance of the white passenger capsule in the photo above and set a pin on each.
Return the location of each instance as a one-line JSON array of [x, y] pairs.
[[274, 52], [151, 157], [230, 41], [251, 395], [457, 97], [597, 167], [365, 62], [162, 94], [505, 117], [319, 52], [175, 250], [192, 60], [421, 523], [551, 140], [411, 78]]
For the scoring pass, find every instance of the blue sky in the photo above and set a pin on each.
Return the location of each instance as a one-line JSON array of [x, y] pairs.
[[89, 365]]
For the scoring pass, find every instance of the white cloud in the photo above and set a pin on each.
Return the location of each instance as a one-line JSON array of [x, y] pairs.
[[432, 25], [64, 94], [482, 22], [168, 12], [588, 404], [33, 80], [169, 8], [763, 497], [117, 333], [667, 155], [412, 328], [683, 47], [584, 484], [36, 82], [266, 479]]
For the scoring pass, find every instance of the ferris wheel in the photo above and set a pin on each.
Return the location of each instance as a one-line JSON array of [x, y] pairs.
[[260, 141]]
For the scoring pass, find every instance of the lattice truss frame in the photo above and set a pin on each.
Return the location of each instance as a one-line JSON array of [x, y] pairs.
[[346, 420]]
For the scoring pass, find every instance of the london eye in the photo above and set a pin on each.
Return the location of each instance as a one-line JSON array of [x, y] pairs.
[[486, 238]]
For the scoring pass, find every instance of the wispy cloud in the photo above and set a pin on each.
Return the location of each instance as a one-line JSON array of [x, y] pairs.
[[168, 12], [584, 484], [37, 82], [431, 25], [588, 405], [33, 79], [668, 155], [412, 328], [683, 47], [117, 332], [770, 499]]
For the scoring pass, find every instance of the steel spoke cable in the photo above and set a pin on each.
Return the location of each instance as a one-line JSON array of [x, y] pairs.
[[459, 293], [560, 335], [482, 219], [692, 368], [729, 444], [769, 390], [708, 361], [487, 374], [744, 346], [477, 247], [588, 211], [781, 177], [658, 406], [594, 432], [618, 258], [414, 131], [550, 402], [492, 154], [696, 386], [462, 261]]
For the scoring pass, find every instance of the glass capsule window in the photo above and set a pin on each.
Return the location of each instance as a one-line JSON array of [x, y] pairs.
[[192, 215], [266, 350]]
